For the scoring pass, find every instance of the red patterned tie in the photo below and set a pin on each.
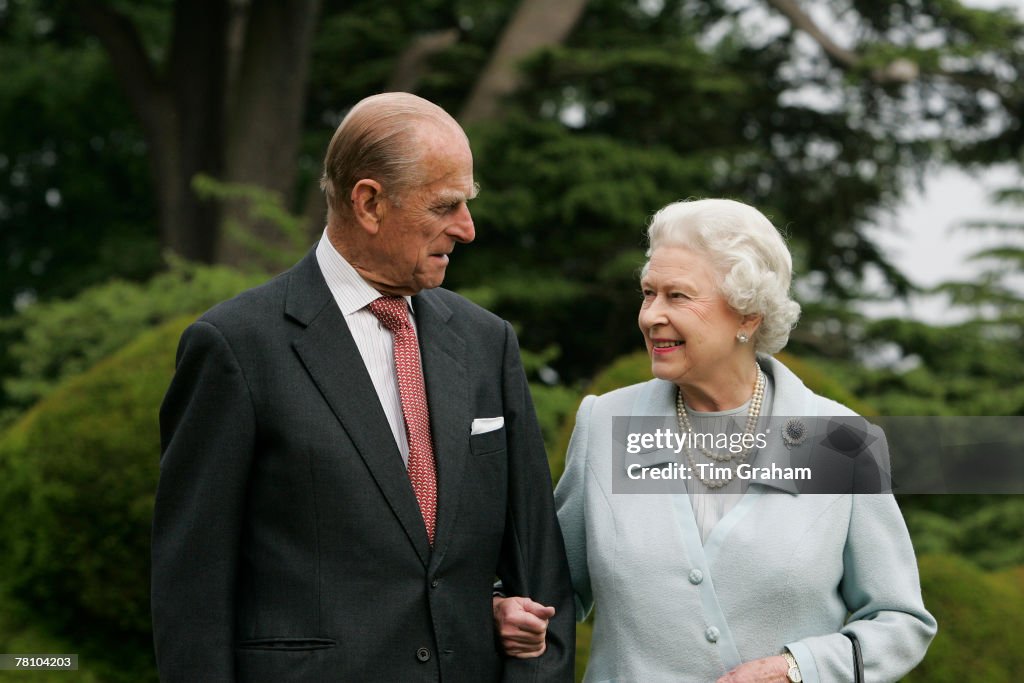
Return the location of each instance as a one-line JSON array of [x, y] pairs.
[[392, 311]]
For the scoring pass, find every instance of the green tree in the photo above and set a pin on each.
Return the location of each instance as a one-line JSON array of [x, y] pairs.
[[730, 88], [74, 203], [974, 367], [647, 103]]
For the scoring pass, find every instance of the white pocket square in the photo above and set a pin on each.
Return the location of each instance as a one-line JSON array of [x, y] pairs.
[[482, 425]]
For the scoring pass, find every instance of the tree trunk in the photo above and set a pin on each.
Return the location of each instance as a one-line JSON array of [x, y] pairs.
[[412, 63], [536, 24], [264, 118], [197, 78], [181, 112], [229, 104]]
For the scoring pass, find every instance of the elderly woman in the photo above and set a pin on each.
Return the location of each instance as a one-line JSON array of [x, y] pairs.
[[733, 579]]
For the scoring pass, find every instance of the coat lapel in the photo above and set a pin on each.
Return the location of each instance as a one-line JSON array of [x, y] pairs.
[[330, 356], [447, 382], [791, 399]]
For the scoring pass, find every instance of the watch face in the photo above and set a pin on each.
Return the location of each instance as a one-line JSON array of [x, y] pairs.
[[794, 675]]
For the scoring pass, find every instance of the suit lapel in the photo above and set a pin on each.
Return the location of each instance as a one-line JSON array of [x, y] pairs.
[[447, 382], [330, 356]]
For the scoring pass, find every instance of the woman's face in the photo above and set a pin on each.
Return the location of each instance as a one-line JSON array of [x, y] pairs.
[[689, 328]]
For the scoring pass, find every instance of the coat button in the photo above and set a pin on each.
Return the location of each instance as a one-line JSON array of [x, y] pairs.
[[435, 583], [696, 576], [711, 634], [423, 654]]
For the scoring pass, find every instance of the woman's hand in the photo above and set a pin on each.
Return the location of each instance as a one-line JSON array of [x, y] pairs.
[[767, 670], [521, 625]]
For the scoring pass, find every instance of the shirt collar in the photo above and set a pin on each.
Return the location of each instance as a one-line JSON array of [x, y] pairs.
[[349, 289]]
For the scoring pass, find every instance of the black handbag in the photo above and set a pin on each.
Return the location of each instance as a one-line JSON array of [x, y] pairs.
[[858, 659]]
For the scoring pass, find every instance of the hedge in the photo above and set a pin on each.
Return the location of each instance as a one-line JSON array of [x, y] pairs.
[[77, 477]]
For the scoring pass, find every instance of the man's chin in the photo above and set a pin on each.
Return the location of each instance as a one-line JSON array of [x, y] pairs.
[[419, 282], [430, 282]]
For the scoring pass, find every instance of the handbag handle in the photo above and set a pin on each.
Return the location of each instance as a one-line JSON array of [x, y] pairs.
[[858, 659]]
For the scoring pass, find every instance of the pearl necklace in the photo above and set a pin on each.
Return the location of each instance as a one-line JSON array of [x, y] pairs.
[[683, 418]]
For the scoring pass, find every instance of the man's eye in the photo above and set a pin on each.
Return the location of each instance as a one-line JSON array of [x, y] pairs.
[[679, 295]]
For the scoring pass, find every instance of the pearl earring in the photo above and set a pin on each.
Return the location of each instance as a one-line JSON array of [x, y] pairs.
[[742, 338]]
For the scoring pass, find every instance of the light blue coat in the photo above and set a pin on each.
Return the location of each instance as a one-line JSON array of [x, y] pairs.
[[781, 569]]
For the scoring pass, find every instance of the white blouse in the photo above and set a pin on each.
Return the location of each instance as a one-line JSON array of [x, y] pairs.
[[711, 505]]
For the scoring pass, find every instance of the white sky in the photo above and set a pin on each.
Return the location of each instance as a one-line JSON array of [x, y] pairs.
[[922, 239]]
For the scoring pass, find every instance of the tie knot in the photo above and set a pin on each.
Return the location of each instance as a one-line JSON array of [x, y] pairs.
[[392, 312]]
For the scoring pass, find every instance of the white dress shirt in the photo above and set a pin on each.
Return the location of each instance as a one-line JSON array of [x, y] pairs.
[[374, 341]]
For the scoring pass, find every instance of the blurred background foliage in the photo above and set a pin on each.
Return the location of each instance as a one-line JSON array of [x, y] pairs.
[[158, 157]]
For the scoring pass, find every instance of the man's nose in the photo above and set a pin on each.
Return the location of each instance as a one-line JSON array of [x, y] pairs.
[[462, 228]]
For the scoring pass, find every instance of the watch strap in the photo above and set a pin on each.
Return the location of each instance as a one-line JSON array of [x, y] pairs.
[[793, 673]]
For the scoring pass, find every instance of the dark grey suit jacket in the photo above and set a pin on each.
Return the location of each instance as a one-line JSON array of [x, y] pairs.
[[287, 541]]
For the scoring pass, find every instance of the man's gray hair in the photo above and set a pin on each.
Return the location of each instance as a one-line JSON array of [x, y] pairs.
[[381, 138], [751, 259]]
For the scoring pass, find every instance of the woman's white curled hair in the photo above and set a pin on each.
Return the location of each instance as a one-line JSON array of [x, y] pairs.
[[750, 256]]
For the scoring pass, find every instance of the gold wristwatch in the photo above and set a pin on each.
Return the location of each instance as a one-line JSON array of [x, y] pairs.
[[793, 674]]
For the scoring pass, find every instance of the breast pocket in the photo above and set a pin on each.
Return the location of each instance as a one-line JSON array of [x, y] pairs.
[[488, 443]]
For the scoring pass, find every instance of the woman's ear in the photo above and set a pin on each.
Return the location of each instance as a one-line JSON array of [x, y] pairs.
[[749, 324], [368, 204]]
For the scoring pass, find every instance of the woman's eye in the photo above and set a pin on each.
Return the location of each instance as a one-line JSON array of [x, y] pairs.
[[679, 295]]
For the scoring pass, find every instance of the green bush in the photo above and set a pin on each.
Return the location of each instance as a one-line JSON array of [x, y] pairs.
[[18, 635], [80, 469], [553, 402], [584, 634], [52, 341], [980, 615], [989, 534]]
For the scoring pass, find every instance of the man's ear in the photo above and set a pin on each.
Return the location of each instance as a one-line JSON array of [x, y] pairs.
[[368, 204]]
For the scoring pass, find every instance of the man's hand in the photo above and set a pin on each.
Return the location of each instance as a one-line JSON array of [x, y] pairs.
[[522, 626], [767, 670]]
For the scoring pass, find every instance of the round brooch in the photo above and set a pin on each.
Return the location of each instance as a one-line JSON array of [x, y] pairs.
[[794, 432]]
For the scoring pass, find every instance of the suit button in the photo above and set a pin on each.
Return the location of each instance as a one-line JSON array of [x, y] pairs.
[[711, 634], [423, 654], [434, 583], [696, 576]]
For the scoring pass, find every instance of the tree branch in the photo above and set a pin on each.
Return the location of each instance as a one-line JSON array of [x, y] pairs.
[[803, 22], [412, 63], [130, 62], [536, 24], [898, 71]]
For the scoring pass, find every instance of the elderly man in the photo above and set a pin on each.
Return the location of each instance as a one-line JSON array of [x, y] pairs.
[[351, 456]]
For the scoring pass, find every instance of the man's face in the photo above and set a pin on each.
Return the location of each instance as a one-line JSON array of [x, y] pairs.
[[417, 233]]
